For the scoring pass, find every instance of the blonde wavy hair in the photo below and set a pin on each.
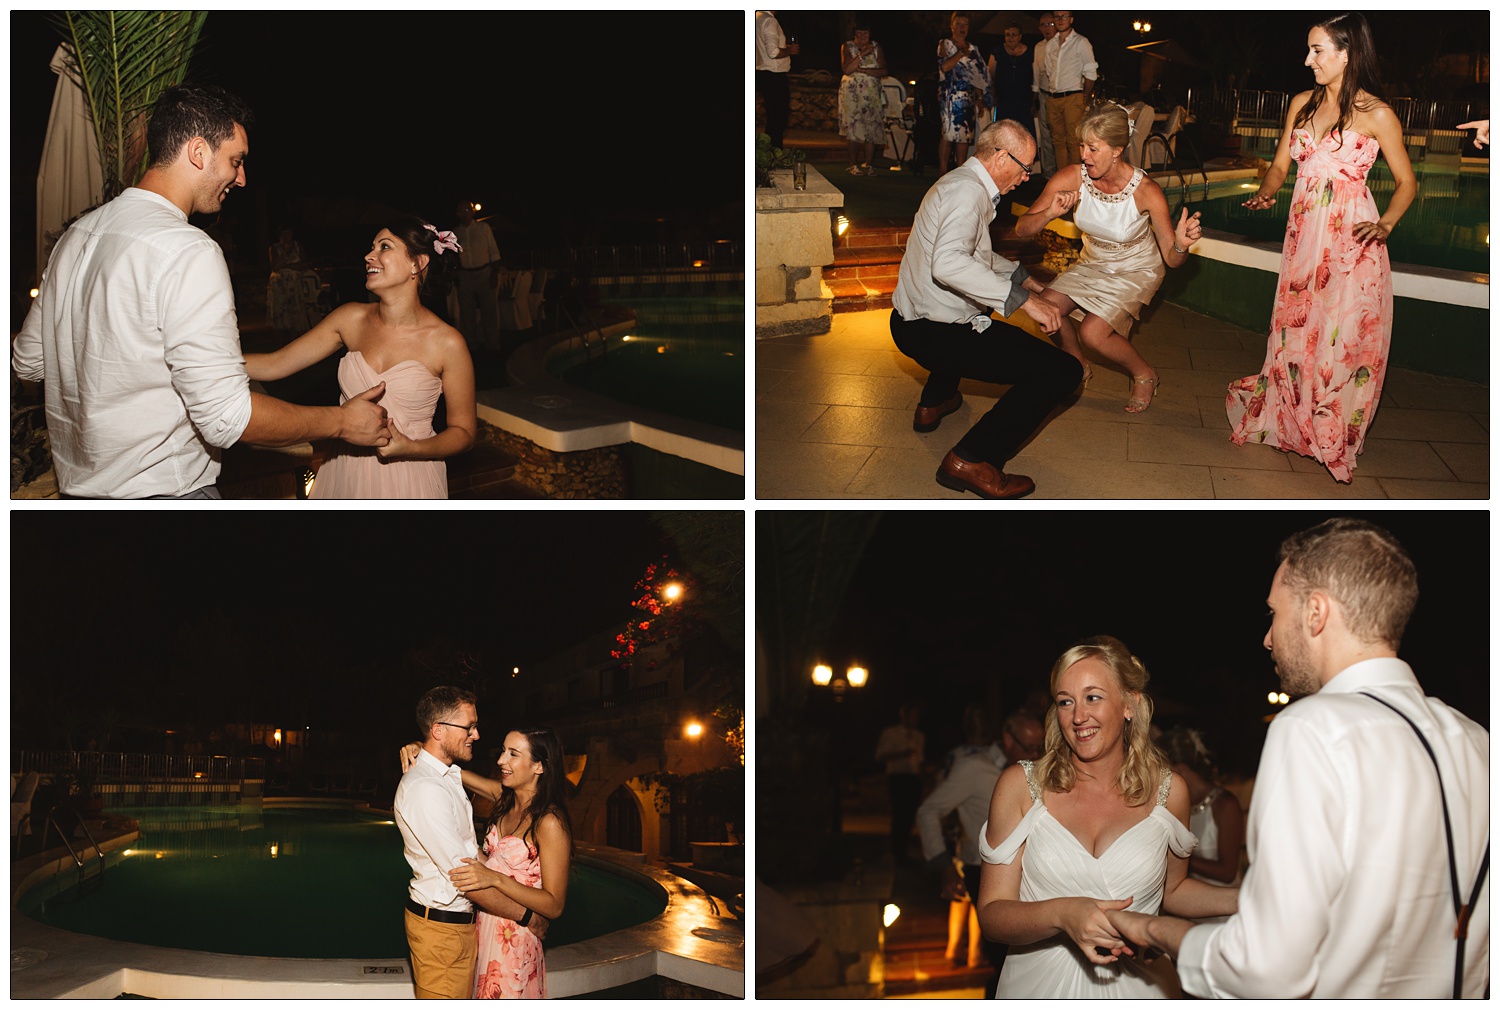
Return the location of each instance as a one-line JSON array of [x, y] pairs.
[[1141, 774]]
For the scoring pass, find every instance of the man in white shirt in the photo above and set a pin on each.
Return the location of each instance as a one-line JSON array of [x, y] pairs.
[[949, 282], [773, 62], [134, 335], [1349, 892], [1071, 73], [968, 788], [1040, 82], [478, 272], [436, 821]]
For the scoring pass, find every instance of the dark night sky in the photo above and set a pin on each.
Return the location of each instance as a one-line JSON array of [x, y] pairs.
[[594, 117], [101, 602], [960, 607]]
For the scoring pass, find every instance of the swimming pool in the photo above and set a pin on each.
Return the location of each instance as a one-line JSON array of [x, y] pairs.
[[1447, 227], [306, 882], [685, 356]]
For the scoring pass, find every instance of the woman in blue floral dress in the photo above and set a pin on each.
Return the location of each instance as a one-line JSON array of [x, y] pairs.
[[963, 89]]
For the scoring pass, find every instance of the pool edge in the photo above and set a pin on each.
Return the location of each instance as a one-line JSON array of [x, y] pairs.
[[66, 965]]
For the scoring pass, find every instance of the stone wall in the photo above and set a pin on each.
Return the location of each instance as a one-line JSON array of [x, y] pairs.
[[587, 473], [793, 243], [814, 109]]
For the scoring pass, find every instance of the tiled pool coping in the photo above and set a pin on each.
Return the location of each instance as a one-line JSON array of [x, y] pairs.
[[564, 418]]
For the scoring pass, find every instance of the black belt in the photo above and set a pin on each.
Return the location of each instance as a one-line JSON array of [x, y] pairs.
[[1062, 94], [437, 914]]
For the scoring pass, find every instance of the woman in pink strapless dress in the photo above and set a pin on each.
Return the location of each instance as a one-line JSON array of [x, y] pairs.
[[1330, 337], [529, 848], [399, 345]]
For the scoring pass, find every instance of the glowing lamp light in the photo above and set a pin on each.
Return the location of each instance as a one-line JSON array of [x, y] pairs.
[[307, 482], [277, 737], [892, 913], [857, 676], [694, 730], [843, 224], [275, 850], [1271, 697], [671, 592], [698, 263], [1282, 699], [515, 671], [822, 675], [35, 292], [478, 207]]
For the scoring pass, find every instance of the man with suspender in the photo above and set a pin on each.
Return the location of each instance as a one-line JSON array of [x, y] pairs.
[[1369, 825]]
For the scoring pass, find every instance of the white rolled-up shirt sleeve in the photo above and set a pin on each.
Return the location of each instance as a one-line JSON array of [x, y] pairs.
[[201, 343]]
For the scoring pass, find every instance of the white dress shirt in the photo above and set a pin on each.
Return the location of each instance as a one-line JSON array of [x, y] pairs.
[[135, 339], [1348, 893], [968, 788], [901, 748], [477, 246], [1070, 62], [769, 41], [949, 272], [1039, 79], [437, 830]]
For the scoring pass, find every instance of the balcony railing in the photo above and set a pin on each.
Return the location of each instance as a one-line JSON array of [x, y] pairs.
[[108, 767]]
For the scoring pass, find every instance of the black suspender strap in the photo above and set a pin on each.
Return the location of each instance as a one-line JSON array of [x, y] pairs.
[[1461, 930]]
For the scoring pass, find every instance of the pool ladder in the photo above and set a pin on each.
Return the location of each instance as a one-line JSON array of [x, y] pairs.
[[86, 882], [587, 329]]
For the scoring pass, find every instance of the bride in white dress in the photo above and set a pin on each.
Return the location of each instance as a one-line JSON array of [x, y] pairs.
[[1099, 823]]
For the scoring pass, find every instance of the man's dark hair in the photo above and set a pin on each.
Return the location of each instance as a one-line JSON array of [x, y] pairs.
[[438, 702], [187, 111]]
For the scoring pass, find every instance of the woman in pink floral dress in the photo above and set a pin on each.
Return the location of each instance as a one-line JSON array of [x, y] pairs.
[[528, 850], [1331, 325]]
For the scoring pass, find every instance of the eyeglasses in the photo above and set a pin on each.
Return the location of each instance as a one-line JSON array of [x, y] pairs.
[[1024, 170], [471, 728]]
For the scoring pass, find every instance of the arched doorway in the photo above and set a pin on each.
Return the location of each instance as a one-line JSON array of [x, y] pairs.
[[623, 821]]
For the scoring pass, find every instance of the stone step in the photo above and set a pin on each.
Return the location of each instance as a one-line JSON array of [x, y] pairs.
[[867, 262]]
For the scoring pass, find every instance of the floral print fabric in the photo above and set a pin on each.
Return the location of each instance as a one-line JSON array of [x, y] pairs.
[[961, 92], [862, 100], [1331, 325], [510, 962]]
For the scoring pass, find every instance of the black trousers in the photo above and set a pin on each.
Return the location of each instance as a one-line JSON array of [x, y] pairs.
[[1040, 377], [776, 95], [906, 795]]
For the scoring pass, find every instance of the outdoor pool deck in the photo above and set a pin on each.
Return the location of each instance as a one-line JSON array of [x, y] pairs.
[[833, 417]]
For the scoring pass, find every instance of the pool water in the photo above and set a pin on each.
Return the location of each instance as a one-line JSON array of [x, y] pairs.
[[324, 882], [1448, 226], [686, 357]]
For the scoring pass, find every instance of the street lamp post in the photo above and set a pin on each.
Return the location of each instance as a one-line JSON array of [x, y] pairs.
[[854, 678]]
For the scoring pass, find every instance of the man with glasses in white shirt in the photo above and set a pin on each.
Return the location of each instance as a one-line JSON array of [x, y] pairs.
[[950, 281], [1071, 73], [436, 820]]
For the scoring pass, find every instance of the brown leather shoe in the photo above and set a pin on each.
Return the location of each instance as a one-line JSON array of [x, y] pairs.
[[928, 418], [983, 479]]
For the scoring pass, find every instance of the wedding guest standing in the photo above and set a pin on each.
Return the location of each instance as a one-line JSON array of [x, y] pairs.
[[963, 89], [861, 102], [1330, 335]]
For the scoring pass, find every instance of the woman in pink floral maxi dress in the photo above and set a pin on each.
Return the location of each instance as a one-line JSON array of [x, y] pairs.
[[1330, 334], [510, 964], [529, 849]]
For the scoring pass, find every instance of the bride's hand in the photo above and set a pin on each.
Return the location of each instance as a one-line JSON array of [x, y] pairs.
[[1087, 924], [398, 446], [472, 875]]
